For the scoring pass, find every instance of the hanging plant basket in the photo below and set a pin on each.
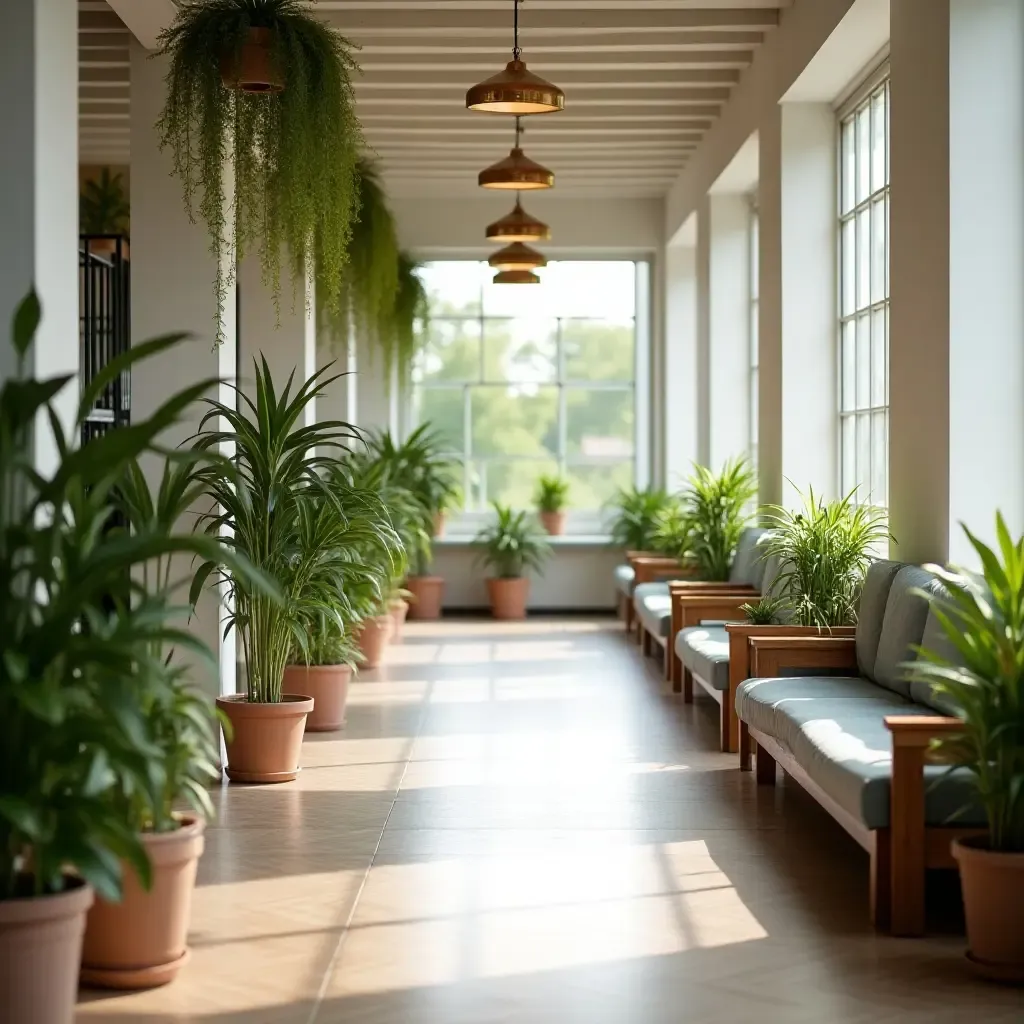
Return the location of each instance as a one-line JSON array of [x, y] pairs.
[[293, 151]]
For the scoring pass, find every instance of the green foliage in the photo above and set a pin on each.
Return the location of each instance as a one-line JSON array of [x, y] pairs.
[[552, 493], [411, 308], [825, 549], [982, 615], [512, 544], [716, 506], [670, 535], [281, 514], [85, 691], [103, 207], [293, 152], [765, 611], [636, 513]]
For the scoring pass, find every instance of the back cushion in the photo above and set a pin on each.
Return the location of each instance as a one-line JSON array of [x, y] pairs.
[[902, 628], [935, 639], [747, 556], [760, 559], [871, 611]]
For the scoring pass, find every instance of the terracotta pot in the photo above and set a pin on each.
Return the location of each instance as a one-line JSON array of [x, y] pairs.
[[328, 686], [993, 887], [439, 524], [553, 522], [427, 594], [508, 597], [254, 69], [141, 941], [374, 634], [40, 951], [398, 609], [267, 738]]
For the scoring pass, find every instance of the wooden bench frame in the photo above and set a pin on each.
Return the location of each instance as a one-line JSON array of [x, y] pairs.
[[647, 568], [900, 854]]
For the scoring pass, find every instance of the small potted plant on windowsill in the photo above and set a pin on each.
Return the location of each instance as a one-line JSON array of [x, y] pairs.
[[511, 546], [981, 677], [552, 496]]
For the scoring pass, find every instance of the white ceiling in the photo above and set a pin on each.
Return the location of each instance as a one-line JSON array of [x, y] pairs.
[[644, 80]]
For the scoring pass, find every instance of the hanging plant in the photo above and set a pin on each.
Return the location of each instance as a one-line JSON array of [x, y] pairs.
[[265, 85], [411, 306]]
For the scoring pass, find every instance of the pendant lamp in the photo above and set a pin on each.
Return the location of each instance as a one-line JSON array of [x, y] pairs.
[[517, 257], [515, 90], [518, 226], [516, 277], [517, 171]]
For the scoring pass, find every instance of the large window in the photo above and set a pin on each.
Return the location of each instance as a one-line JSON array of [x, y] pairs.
[[864, 295], [532, 379], [753, 394]]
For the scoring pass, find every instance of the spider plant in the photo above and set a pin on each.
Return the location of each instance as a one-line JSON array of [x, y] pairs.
[[825, 549], [103, 205], [551, 493], [717, 507], [274, 504], [766, 611], [982, 617], [634, 513], [293, 152], [512, 544]]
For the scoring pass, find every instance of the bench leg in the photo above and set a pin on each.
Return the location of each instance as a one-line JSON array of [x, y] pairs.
[[670, 657], [646, 641], [764, 767], [687, 685], [628, 614], [723, 723], [881, 880], [677, 673], [746, 745], [907, 853]]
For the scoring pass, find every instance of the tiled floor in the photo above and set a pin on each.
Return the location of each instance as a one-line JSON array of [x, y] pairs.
[[518, 826]]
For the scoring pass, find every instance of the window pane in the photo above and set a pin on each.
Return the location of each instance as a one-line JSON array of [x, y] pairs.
[[878, 141], [599, 424], [522, 350], [879, 248], [879, 458], [514, 420], [849, 451], [451, 351], [863, 362], [444, 409], [755, 405], [597, 350], [454, 287], [849, 167], [863, 456], [863, 154], [507, 481], [863, 258], [849, 367], [849, 267], [592, 486], [879, 359]]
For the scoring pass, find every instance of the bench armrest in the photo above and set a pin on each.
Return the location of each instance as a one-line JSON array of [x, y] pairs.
[[775, 656], [685, 586], [649, 568], [919, 731]]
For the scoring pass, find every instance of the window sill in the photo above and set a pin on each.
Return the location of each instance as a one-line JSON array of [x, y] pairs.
[[568, 540]]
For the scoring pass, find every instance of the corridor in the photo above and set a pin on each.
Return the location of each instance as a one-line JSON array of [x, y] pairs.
[[518, 827]]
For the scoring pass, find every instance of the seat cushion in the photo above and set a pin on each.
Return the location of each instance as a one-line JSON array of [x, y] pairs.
[[624, 575], [871, 612], [746, 562], [653, 605], [704, 650], [902, 628], [834, 727]]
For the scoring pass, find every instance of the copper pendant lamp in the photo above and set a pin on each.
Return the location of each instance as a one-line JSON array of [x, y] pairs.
[[515, 90], [517, 171], [518, 226], [516, 277], [517, 257]]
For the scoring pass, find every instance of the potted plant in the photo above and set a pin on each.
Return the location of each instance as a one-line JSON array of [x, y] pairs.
[[825, 549], [716, 509], [511, 546], [77, 682], [551, 496], [103, 209], [324, 671], [634, 513], [270, 84], [269, 501], [981, 673]]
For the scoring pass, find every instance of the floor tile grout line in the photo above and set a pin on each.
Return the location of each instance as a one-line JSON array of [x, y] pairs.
[[346, 928]]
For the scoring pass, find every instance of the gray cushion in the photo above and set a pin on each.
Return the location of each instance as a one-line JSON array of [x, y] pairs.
[[653, 605], [744, 563], [835, 730], [704, 650], [902, 628], [760, 559], [935, 639], [624, 579], [871, 612]]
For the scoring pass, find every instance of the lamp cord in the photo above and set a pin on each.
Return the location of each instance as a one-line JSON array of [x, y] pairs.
[[515, 30], [519, 131]]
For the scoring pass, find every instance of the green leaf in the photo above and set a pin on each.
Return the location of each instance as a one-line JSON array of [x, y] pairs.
[[26, 322]]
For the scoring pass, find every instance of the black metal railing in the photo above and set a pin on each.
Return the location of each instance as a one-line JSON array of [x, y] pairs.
[[104, 326]]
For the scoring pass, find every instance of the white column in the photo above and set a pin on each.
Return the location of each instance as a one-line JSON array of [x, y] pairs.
[[797, 317], [956, 267], [173, 290], [39, 188], [679, 380], [338, 401], [723, 346], [378, 404]]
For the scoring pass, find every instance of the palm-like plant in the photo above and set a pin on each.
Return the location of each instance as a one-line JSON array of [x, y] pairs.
[[103, 205], [825, 550], [634, 513], [982, 616], [552, 493], [512, 544], [717, 507], [670, 533], [272, 505]]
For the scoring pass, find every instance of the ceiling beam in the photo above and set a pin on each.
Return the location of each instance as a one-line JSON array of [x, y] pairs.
[[497, 43], [586, 117], [470, 62], [643, 96], [373, 78]]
